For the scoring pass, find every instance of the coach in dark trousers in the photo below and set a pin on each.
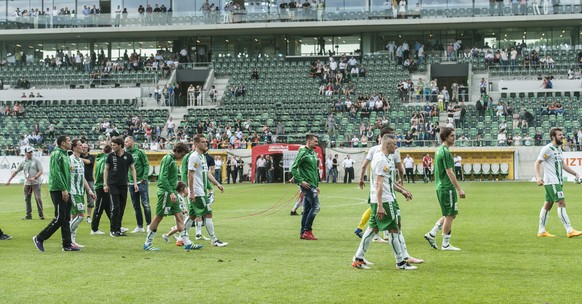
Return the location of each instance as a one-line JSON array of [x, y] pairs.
[[59, 187], [117, 166], [103, 201], [142, 170]]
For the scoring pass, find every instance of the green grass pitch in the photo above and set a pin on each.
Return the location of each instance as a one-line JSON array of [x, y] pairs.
[[502, 261]]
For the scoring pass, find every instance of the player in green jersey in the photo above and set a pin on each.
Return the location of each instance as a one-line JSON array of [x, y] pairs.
[[168, 203], [447, 187]]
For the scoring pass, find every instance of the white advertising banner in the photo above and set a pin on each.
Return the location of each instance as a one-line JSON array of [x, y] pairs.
[[574, 161], [8, 164]]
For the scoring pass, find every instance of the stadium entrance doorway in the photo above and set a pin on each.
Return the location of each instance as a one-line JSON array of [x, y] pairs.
[[276, 152]]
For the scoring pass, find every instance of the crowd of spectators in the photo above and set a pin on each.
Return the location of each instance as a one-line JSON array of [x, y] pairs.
[[336, 76], [16, 110], [406, 57]]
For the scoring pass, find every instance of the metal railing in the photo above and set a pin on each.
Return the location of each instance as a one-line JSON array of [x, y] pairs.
[[266, 13]]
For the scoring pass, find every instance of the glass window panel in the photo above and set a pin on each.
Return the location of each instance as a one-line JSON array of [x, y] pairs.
[[356, 5], [186, 6], [132, 5], [21, 5], [59, 4], [333, 5]]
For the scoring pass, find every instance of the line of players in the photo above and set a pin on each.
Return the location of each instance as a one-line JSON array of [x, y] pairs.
[[385, 216], [67, 185]]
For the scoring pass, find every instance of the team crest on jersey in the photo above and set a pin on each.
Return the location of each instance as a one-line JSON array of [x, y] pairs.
[[125, 157], [196, 165], [546, 156], [386, 169]]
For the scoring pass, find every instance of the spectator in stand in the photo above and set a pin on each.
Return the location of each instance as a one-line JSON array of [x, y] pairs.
[[499, 110], [355, 141], [255, 74], [509, 140], [517, 140], [559, 108], [408, 139], [538, 138], [363, 72], [527, 140], [547, 83], [502, 138], [364, 141]]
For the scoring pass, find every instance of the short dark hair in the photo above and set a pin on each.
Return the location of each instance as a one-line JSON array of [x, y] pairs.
[[107, 149], [181, 148], [181, 186], [386, 130], [118, 140], [75, 142], [198, 137], [554, 131], [61, 139], [310, 137], [445, 132], [389, 136]]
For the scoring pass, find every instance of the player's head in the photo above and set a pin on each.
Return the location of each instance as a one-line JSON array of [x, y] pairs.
[[117, 143], [76, 145], [557, 136], [311, 141], [181, 187], [180, 149], [107, 149], [201, 143], [64, 142], [129, 142], [448, 136], [386, 130], [389, 142]]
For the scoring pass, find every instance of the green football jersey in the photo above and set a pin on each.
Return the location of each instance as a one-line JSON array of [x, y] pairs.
[[443, 160]]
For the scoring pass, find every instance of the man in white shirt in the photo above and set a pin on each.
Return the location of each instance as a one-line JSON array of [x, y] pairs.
[[348, 165], [355, 141], [483, 86], [459, 167], [261, 174], [332, 64], [409, 168], [517, 140]]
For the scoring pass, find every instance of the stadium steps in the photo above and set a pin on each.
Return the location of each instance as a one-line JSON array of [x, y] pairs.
[[177, 113], [443, 116], [149, 103], [475, 81], [221, 86]]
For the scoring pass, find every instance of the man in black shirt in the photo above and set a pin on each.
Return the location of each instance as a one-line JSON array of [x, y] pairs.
[[89, 161], [334, 163], [240, 167], [269, 167], [115, 181]]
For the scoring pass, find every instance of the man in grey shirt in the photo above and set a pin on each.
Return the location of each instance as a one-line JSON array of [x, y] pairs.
[[32, 169]]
